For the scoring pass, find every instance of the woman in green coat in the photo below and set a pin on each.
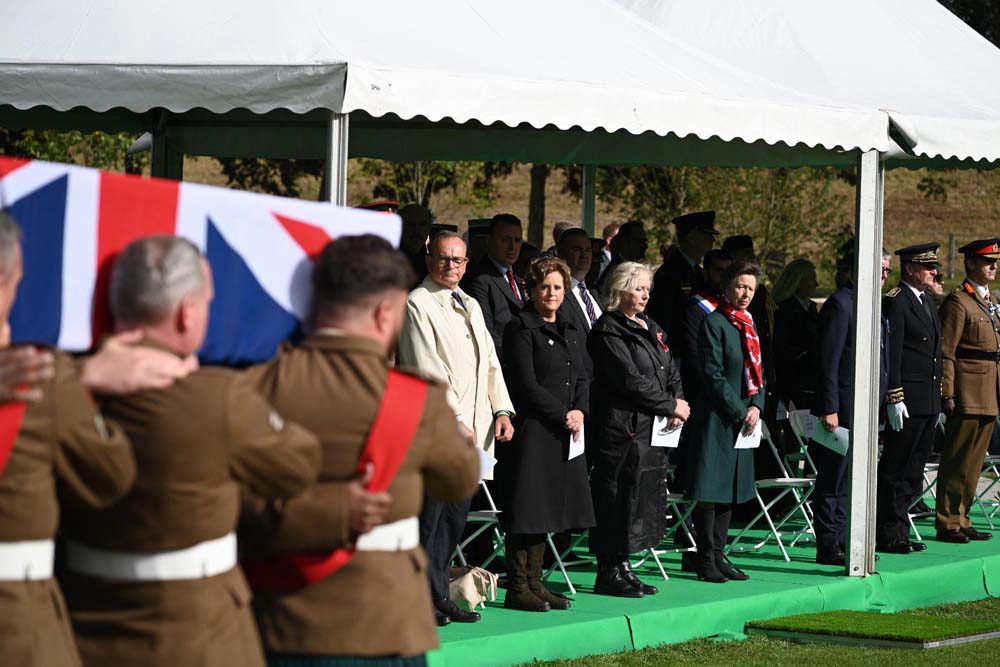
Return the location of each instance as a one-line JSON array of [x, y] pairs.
[[730, 401]]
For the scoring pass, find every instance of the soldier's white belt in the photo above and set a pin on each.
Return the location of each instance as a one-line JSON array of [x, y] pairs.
[[401, 535], [202, 560], [26, 561]]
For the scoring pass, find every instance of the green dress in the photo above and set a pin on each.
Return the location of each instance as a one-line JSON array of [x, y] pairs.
[[717, 472]]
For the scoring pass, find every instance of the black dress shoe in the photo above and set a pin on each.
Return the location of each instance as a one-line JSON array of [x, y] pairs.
[[921, 508], [455, 613], [836, 557], [917, 546], [629, 576], [976, 535], [895, 547], [440, 618], [954, 536], [610, 581], [728, 570]]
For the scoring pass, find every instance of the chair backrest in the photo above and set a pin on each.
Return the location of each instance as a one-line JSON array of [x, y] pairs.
[[766, 437]]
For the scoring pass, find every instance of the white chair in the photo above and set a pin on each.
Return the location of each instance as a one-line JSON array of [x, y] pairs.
[[800, 488], [675, 510], [485, 520], [991, 471]]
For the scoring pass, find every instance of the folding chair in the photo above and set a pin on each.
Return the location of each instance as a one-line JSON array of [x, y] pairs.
[[675, 510], [800, 460], [991, 471], [486, 519], [800, 488]]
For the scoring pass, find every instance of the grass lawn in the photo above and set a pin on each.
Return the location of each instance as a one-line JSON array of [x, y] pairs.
[[764, 652]]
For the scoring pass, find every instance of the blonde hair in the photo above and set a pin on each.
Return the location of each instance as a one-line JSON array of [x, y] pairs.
[[623, 278], [790, 279]]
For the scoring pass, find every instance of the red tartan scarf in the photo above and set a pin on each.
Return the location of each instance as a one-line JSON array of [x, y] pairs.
[[743, 321]]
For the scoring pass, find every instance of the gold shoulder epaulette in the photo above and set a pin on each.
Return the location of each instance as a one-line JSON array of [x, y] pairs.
[[893, 292]]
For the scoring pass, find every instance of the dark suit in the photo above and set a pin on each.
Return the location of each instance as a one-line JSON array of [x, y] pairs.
[[915, 366], [835, 394], [796, 350], [615, 261], [695, 312], [572, 311], [487, 285], [673, 284]]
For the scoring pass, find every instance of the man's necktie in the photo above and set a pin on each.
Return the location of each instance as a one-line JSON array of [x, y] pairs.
[[587, 302], [458, 298], [513, 286]]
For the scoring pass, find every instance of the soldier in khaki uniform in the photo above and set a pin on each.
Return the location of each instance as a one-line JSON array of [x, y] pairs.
[[378, 605], [970, 389], [152, 580]]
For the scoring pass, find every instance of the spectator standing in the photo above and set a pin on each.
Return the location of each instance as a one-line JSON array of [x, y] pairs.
[[628, 245], [417, 221], [731, 402], [603, 259], [635, 381], [680, 276], [833, 405], [543, 490], [796, 335], [914, 396], [445, 335], [970, 333], [581, 305], [700, 305], [493, 283]]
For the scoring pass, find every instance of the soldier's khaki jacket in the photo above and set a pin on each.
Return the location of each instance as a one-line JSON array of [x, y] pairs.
[[379, 603], [967, 331], [195, 444], [64, 447]]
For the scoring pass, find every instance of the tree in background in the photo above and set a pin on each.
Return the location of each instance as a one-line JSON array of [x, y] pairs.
[[275, 177], [99, 149]]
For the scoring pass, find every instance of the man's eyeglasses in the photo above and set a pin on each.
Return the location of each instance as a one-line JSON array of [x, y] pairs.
[[444, 261]]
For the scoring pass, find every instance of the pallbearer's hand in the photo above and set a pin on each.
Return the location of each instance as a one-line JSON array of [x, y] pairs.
[[897, 412], [948, 406], [22, 369]]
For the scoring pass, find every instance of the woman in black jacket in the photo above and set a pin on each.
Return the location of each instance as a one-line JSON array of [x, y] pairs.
[[635, 380], [542, 490]]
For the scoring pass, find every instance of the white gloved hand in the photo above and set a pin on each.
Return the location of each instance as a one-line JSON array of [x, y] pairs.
[[942, 420], [897, 411]]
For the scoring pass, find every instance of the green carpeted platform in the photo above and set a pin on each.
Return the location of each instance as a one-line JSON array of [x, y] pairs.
[[687, 609]]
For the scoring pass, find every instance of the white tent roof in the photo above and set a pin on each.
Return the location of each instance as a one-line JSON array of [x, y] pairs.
[[936, 77], [608, 81]]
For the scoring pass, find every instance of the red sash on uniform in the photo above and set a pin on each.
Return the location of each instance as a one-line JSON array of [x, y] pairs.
[[11, 417], [395, 426]]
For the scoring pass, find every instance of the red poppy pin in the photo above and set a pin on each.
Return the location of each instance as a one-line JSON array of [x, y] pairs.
[[663, 343]]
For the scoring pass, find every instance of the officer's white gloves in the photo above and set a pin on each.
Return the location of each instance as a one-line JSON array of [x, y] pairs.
[[897, 411]]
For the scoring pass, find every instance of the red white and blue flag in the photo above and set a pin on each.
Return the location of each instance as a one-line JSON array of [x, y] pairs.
[[76, 220]]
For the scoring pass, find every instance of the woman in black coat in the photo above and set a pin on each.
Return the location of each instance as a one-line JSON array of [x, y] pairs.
[[635, 380], [542, 491], [796, 335]]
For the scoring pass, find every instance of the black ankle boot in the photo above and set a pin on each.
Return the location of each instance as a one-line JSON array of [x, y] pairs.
[[724, 565], [705, 567], [628, 575], [611, 582]]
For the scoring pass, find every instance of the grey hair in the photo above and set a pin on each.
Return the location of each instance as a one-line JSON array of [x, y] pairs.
[[10, 241], [790, 279], [623, 278], [151, 277], [438, 237]]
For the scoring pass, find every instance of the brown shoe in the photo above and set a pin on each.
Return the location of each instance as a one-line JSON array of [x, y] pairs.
[[519, 596], [955, 536], [536, 558], [976, 535]]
